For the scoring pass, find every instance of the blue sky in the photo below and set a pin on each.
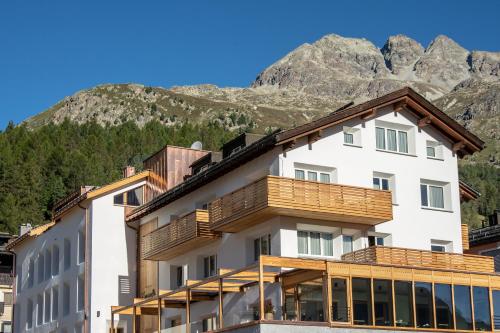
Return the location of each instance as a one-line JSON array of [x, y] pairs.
[[51, 49]]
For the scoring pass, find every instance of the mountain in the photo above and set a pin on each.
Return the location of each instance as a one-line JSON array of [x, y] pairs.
[[310, 81]]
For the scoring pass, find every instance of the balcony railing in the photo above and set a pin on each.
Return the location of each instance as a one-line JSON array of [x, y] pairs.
[[421, 259], [180, 235], [273, 195]]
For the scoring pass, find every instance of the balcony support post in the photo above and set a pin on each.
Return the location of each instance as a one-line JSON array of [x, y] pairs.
[[188, 311], [134, 319], [112, 321], [327, 299], [159, 314], [261, 290], [221, 304]]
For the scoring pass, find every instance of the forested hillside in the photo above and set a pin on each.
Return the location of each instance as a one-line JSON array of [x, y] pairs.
[[38, 167]]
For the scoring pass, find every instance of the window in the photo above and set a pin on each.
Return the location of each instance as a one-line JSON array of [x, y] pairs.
[[403, 293], [444, 306], [463, 309], [340, 309], [423, 305], [55, 303], [434, 150], [179, 276], [55, 260], [347, 245], [300, 174], [209, 266], [352, 136], [47, 307], [348, 138], [315, 243], [41, 266], [375, 241], [391, 140], [324, 177], [67, 254], [39, 310], [262, 246], [380, 183], [209, 324], [432, 196], [29, 314], [31, 273], [66, 299], [48, 265], [362, 301], [7, 298], [312, 175], [80, 293], [481, 299], [438, 248], [132, 197], [382, 302], [496, 309], [310, 297], [431, 151], [81, 246]]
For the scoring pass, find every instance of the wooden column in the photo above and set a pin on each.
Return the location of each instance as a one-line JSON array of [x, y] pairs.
[[221, 304], [261, 290], [159, 314], [188, 311], [112, 322], [134, 323], [327, 299]]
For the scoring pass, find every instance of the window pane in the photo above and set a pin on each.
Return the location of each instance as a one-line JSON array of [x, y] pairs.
[[403, 142], [380, 241], [327, 244], [133, 197], [311, 175], [423, 305], [463, 310], [444, 308], [324, 177], [496, 309], [348, 138], [361, 301], [206, 267], [264, 245], [436, 196], [382, 294], [315, 243], [391, 140], [256, 249], [404, 303], [380, 138], [302, 241], [346, 244], [423, 195], [340, 310], [431, 151], [118, 199], [482, 317], [213, 265], [299, 174], [311, 301], [438, 248], [376, 183], [385, 184]]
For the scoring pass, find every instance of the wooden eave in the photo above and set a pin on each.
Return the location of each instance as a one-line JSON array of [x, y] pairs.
[[467, 193], [33, 233]]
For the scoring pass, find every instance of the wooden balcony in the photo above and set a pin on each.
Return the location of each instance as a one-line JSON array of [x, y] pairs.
[[421, 259], [272, 196], [179, 236]]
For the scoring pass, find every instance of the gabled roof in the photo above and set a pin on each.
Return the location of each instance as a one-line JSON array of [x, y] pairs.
[[406, 98], [33, 232]]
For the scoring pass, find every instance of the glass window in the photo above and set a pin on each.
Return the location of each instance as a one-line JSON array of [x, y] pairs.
[[361, 301], [391, 140], [496, 309], [340, 309], [66, 299], [31, 273], [119, 199], [315, 240], [302, 241], [438, 248], [463, 309], [324, 177], [47, 307], [39, 310], [311, 301], [81, 292], [315, 243], [41, 266], [403, 142], [208, 324], [431, 151], [348, 138], [403, 291], [300, 174], [482, 319], [346, 244], [380, 137], [327, 240], [134, 197], [432, 196], [444, 306], [423, 305], [382, 301], [423, 195], [375, 241], [312, 175], [209, 266], [81, 246], [29, 314], [55, 303], [67, 254], [55, 260], [262, 245], [48, 264], [380, 183], [179, 276]]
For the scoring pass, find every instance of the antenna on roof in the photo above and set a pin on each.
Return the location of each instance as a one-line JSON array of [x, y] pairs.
[[351, 103], [197, 145]]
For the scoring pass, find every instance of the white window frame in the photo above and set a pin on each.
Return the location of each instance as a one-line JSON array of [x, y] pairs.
[[321, 243], [428, 196], [380, 180], [398, 143], [352, 244], [319, 174], [446, 245], [354, 133], [207, 270], [437, 148], [267, 237]]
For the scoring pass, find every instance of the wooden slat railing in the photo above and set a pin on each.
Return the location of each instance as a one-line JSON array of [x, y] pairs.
[[465, 236], [303, 198], [420, 258], [189, 227]]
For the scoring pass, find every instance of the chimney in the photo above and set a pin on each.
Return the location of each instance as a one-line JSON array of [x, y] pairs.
[[24, 228], [128, 171]]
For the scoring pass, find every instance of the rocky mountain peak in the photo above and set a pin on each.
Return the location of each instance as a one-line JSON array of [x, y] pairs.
[[401, 52]]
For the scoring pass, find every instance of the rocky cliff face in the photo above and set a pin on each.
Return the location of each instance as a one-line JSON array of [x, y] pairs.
[[310, 81]]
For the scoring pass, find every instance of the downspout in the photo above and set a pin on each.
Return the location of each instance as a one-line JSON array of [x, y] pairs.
[[14, 290], [86, 271]]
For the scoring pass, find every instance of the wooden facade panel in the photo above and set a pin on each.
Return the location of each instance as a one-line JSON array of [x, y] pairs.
[[300, 198], [465, 236]]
